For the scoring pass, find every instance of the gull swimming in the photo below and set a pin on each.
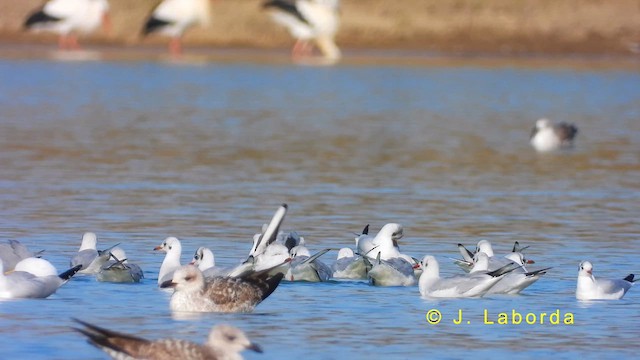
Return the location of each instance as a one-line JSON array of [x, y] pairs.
[[305, 267], [33, 278], [307, 21], [590, 288], [349, 266], [222, 294], [469, 285], [205, 261], [173, 249], [89, 257], [120, 270], [68, 18], [391, 272], [547, 136], [13, 252], [513, 282], [224, 342]]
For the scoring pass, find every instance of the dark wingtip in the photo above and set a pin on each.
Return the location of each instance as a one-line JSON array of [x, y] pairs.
[[629, 278], [365, 231], [285, 206], [66, 275]]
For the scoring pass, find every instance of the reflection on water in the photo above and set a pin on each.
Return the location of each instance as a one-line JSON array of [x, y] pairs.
[[139, 151]]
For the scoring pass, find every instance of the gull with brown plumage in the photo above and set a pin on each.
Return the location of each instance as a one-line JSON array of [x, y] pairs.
[[224, 342]]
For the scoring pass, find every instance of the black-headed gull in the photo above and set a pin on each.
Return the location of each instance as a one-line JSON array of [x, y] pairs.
[[222, 294], [224, 342], [513, 282], [469, 285], [305, 267], [307, 21], [13, 252], [173, 17], [119, 269], [173, 249], [89, 257], [391, 272], [204, 259], [349, 266], [33, 278], [590, 288], [547, 136], [68, 18]]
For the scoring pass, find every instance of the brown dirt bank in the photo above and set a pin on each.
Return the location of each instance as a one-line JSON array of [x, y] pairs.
[[460, 26]]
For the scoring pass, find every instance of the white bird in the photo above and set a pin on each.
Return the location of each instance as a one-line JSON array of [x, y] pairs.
[[305, 267], [307, 21], [391, 272], [588, 288], [349, 266], [13, 252], [222, 294], [204, 259], [173, 249], [469, 285], [224, 342], [547, 136], [120, 270], [68, 18], [384, 243], [33, 278], [173, 17], [513, 282], [89, 257]]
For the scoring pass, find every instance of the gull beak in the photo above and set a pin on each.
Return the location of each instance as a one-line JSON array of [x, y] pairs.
[[530, 261], [157, 248], [193, 262], [168, 284], [589, 272], [254, 347]]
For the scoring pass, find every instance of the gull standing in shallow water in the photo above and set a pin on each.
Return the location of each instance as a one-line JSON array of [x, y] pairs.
[[470, 285], [70, 17], [222, 294], [547, 136], [171, 262], [224, 342], [588, 288]]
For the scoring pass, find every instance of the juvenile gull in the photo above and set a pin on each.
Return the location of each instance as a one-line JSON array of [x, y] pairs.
[[119, 270], [469, 285], [33, 278], [222, 294], [173, 249], [588, 288], [547, 136], [224, 342]]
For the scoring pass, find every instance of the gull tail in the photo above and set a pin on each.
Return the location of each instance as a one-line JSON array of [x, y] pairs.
[[103, 338], [66, 275], [503, 270], [630, 277], [538, 272]]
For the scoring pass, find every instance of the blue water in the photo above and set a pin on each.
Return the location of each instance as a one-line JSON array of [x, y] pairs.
[[138, 151]]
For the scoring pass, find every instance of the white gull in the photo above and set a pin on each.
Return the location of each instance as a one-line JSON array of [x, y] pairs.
[[33, 278], [547, 136], [173, 249], [120, 270], [590, 288]]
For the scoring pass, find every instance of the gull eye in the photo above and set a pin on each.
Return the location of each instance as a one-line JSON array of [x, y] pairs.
[[231, 337], [197, 257], [169, 247], [188, 278]]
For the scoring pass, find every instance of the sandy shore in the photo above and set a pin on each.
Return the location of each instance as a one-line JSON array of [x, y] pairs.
[[610, 27]]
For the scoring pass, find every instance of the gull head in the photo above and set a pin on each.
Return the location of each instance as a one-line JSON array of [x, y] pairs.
[[485, 247], [203, 258], [186, 278], [543, 123], [37, 267], [119, 254], [586, 269], [480, 262], [170, 245], [299, 250], [89, 241], [430, 265], [345, 253], [393, 231], [230, 339]]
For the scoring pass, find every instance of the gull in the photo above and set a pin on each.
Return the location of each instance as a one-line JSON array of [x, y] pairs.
[[547, 136], [385, 246], [589, 288], [205, 261], [348, 266], [90, 258], [171, 262], [469, 285], [307, 21], [13, 252], [173, 17], [68, 18], [33, 278], [305, 267], [391, 272], [120, 270], [484, 246], [513, 282], [222, 294], [224, 342]]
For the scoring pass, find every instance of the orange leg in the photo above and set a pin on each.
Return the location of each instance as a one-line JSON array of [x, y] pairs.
[[175, 46]]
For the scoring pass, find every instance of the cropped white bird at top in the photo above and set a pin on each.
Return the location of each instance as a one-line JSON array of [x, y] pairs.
[[590, 288], [70, 18]]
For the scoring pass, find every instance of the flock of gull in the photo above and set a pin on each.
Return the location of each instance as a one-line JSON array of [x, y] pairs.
[[313, 23], [201, 286]]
